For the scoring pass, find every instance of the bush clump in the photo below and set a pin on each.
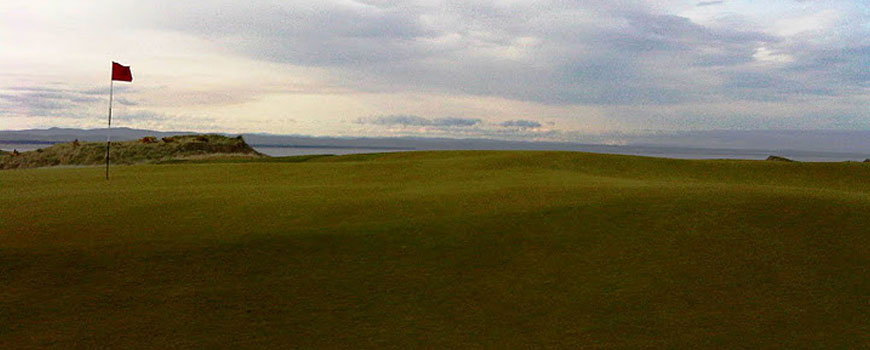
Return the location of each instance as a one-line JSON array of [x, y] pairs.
[[145, 150], [779, 159]]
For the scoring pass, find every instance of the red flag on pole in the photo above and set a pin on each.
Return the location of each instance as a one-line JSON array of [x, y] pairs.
[[121, 73]]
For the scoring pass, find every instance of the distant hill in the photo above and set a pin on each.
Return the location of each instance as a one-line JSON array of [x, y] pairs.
[[148, 149], [58, 135]]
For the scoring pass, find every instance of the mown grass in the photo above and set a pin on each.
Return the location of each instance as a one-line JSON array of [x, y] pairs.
[[437, 250]]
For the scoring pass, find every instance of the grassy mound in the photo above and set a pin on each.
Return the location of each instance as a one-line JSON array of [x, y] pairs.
[[444, 250], [146, 150], [779, 159]]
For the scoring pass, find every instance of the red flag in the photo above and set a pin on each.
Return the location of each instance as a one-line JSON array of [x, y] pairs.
[[121, 73]]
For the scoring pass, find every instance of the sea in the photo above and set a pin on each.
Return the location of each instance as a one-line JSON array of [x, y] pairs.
[[649, 151]]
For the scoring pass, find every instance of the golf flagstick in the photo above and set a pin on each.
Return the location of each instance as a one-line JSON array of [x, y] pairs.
[[109, 130], [119, 73]]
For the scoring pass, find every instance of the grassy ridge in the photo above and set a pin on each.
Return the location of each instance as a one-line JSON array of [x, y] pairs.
[[437, 250], [147, 150]]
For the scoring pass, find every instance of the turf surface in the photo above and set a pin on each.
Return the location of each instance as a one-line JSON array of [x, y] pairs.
[[437, 250]]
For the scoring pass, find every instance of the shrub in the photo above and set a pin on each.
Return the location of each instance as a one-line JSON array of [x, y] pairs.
[[779, 159]]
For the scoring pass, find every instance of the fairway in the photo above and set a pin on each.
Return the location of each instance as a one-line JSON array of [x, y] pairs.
[[442, 250]]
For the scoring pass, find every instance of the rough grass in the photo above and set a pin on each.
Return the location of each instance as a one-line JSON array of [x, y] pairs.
[[147, 150], [437, 250]]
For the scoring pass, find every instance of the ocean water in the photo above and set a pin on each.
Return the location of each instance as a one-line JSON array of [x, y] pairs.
[[22, 147], [280, 151], [649, 151]]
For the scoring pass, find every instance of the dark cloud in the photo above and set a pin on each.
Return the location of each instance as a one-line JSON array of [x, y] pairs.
[[145, 116], [95, 91], [412, 125], [770, 86], [522, 124], [126, 102], [31, 102], [811, 65], [598, 52], [100, 91], [633, 58], [315, 34], [43, 101], [413, 120], [33, 89], [834, 65]]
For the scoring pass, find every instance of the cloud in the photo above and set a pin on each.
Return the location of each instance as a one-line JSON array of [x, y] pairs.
[[521, 124], [672, 64], [149, 116], [416, 126], [37, 102], [126, 102], [597, 52], [328, 33], [412, 120]]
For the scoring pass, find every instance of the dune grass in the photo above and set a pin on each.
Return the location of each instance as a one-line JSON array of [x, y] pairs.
[[437, 250], [146, 150]]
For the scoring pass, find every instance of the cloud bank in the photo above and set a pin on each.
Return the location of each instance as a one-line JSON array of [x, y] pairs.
[[618, 65]]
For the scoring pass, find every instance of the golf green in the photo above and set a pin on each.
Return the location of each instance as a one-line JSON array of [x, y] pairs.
[[437, 250]]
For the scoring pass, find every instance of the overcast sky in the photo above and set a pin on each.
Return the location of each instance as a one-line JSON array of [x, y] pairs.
[[513, 69]]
